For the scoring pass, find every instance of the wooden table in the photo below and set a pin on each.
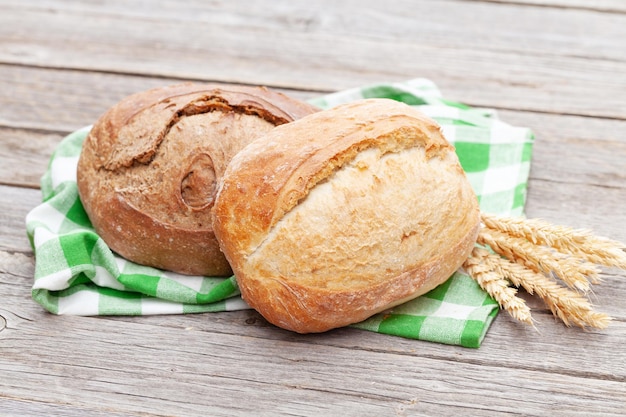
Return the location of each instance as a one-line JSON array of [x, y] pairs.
[[556, 66]]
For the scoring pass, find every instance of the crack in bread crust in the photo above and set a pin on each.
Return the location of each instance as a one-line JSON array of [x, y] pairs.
[[137, 142], [355, 227]]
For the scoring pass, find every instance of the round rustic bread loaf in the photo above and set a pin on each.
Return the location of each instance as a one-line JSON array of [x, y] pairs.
[[148, 170], [343, 214]]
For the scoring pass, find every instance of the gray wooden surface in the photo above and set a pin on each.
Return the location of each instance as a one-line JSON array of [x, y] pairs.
[[557, 66]]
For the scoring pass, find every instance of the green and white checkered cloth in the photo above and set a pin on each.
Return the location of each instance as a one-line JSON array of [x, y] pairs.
[[77, 274]]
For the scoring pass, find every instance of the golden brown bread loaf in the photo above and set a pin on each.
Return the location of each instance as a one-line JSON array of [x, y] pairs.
[[148, 170], [343, 214]]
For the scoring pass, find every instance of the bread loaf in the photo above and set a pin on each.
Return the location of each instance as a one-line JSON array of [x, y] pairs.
[[343, 214], [148, 170]]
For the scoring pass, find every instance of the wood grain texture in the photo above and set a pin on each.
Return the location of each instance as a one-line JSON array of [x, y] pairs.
[[11, 407], [609, 6], [506, 56], [196, 363], [99, 360], [16, 203], [60, 100], [568, 148], [556, 66], [24, 155]]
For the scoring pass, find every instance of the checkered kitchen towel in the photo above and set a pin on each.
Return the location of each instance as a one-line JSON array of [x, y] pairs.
[[76, 273]]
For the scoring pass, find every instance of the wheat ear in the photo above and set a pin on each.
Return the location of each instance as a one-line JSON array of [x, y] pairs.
[[571, 307], [496, 286], [531, 254], [578, 242], [574, 271]]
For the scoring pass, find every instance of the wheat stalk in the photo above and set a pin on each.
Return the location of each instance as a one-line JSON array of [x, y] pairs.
[[496, 286]]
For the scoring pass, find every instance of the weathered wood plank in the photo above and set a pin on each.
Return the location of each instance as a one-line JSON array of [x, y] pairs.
[[271, 381], [572, 149], [609, 6], [506, 341], [554, 127], [568, 148], [15, 202], [24, 155], [229, 356], [577, 205], [340, 50], [13, 407], [65, 100], [97, 361], [436, 23]]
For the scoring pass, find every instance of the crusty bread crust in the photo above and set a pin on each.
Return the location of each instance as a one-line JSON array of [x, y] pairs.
[[148, 170], [270, 211]]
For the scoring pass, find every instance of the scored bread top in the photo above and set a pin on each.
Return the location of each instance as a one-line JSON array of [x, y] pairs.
[[149, 168], [270, 176], [132, 130], [343, 213]]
